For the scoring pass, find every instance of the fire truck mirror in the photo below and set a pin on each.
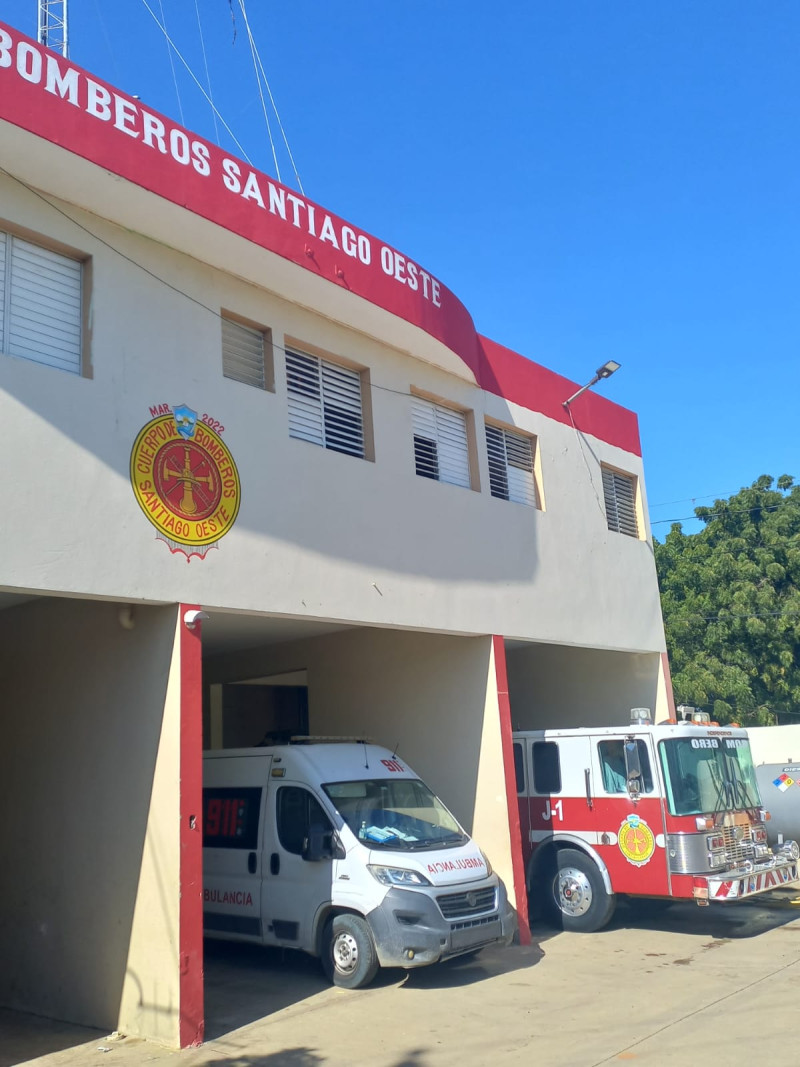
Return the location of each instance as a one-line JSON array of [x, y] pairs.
[[633, 767]]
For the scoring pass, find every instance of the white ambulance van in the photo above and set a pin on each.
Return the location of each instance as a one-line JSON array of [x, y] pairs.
[[337, 848]]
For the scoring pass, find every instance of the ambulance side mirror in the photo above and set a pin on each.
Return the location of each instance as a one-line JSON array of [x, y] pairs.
[[321, 845]]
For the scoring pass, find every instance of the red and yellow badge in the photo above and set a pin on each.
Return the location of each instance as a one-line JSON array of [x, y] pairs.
[[185, 479], [636, 841]]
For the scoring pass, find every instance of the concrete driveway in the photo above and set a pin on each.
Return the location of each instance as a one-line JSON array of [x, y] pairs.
[[692, 986]]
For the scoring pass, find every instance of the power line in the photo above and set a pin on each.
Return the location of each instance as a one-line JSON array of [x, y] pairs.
[[196, 81], [727, 511], [699, 496], [146, 270]]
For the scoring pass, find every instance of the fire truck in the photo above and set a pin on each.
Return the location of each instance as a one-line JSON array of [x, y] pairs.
[[647, 812]]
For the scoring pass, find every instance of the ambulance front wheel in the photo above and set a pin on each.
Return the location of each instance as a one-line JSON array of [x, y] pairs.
[[348, 955], [575, 896]]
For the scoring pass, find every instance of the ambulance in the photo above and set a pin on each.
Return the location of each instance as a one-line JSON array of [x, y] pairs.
[[336, 847], [648, 813]]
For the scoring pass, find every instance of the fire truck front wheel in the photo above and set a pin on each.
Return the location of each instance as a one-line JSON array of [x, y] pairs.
[[575, 897]]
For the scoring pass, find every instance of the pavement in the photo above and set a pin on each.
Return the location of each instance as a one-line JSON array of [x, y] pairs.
[[692, 985]]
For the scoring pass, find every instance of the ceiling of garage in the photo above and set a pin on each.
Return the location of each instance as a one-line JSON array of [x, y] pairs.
[[225, 631]]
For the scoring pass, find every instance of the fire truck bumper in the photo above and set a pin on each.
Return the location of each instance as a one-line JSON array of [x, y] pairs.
[[736, 885]]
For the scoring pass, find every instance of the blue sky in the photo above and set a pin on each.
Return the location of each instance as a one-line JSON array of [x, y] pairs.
[[594, 180]]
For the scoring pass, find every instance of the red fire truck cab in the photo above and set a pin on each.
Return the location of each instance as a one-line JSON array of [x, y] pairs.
[[663, 812]]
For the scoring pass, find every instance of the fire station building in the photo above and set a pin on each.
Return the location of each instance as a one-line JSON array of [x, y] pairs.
[[261, 476]]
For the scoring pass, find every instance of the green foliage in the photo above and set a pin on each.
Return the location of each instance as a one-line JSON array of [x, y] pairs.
[[731, 601]]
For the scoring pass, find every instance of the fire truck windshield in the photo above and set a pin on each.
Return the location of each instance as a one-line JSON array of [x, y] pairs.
[[707, 774]]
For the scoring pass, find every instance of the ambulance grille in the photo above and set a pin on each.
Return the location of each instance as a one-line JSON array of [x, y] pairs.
[[464, 905]]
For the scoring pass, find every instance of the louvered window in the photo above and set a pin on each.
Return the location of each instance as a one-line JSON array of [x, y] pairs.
[[441, 449], [40, 304], [324, 403], [510, 466], [246, 354], [619, 491]]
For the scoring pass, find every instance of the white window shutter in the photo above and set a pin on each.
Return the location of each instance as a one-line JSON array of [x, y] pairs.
[[619, 491], [441, 449], [324, 403], [498, 471], [341, 402], [510, 466], [305, 400], [44, 307], [243, 354]]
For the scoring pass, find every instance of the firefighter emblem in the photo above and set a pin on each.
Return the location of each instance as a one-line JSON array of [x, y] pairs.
[[636, 841], [185, 479]]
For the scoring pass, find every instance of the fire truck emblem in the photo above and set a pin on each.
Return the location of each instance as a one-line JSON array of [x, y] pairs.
[[185, 479], [636, 841]]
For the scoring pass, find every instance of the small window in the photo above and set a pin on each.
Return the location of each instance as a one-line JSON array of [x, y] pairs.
[[511, 475], [230, 817], [619, 491], [546, 768], [246, 354], [325, 403], [41, 300], [614, 771], [441, 443], [299, 813], [519, 767]]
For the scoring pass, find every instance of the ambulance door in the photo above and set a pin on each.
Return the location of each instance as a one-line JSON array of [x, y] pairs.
[[629, 824], [234, 795], [298, 873]]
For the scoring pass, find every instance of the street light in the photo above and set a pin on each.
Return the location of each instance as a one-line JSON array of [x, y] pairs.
[[602, 372]]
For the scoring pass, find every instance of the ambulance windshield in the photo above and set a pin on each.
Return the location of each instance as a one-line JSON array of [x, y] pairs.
[[708, 774], [397, 813]]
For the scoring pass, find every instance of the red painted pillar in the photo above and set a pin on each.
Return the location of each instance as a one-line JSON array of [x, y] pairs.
[[507, 743], [192, 1020]]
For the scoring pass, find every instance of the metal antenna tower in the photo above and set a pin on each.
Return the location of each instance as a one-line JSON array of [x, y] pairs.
[[53, 25]]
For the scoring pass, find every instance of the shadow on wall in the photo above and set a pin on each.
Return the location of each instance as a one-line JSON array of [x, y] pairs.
[[557, 686], [83, 701]]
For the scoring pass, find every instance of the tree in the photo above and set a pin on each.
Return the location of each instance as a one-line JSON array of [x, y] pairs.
[[730, 596]]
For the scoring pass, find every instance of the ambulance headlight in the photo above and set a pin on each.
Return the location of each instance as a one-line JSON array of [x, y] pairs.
[[396, 875]]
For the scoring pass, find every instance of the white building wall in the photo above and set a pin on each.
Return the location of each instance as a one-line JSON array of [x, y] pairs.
[[319, 534], [774, 744]]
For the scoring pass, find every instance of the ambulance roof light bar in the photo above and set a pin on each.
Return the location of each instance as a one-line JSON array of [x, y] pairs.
[[321, 739], [640, 717]]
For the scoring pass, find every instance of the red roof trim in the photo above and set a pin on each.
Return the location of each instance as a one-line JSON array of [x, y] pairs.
[[54, 99]]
